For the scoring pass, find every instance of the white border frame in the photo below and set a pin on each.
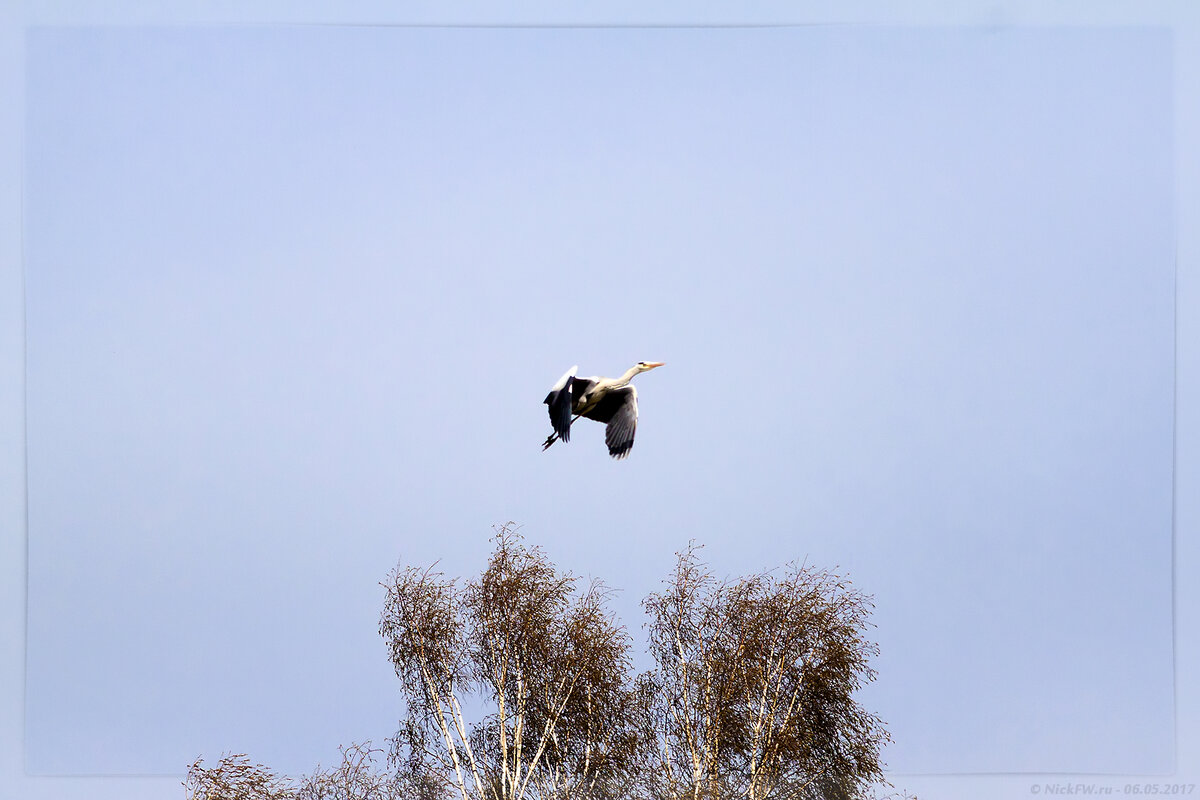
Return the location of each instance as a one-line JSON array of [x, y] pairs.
[[1181, 16]]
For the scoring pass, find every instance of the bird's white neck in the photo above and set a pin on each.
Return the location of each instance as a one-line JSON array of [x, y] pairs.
[[608, 384], [627, 377]]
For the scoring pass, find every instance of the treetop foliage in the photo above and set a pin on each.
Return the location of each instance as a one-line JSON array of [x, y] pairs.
[[518, 685]]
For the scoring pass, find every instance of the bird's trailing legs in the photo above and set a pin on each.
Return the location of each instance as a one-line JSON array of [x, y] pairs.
[[552, 438]]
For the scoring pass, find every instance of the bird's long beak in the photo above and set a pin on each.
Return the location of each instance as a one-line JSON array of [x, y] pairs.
[[653, 364]]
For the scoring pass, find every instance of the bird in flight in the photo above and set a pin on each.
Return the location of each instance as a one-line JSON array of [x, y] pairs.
[[612, 401]]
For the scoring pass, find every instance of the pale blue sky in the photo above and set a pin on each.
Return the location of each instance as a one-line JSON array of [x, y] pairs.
[[295, 294]]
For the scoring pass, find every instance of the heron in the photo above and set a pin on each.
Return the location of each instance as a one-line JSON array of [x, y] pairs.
[[612, 401]]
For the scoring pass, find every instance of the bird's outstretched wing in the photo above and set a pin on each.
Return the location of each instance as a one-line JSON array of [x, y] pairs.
[[618, 409], [560, 400], [580, 387]]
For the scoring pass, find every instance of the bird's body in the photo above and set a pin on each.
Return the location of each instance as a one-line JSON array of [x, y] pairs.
[[612, 401]]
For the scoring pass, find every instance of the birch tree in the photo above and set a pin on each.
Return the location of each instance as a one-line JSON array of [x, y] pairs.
[[234, 777], [518, 687], [516, 684], [753, 691]]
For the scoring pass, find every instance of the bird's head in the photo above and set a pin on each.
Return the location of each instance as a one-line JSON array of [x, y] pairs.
[[645, 366]]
